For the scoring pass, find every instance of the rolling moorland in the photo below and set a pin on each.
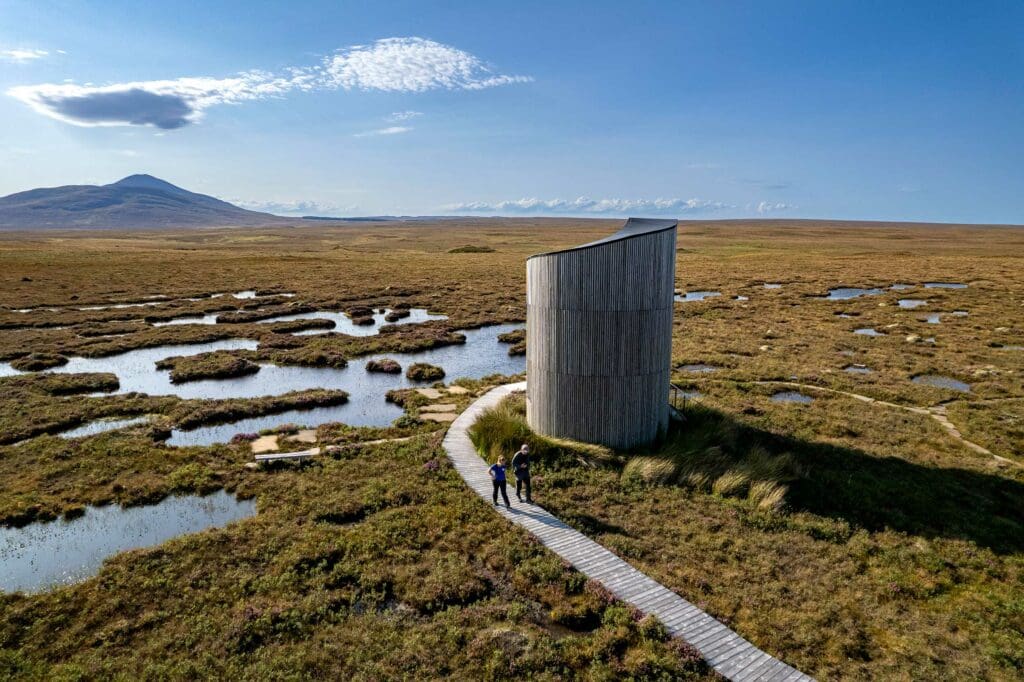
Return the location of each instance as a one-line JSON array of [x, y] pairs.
[[852, 539]]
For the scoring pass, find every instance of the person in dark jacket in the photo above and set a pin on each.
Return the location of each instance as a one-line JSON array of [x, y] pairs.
[[521, 468], [497, 472]]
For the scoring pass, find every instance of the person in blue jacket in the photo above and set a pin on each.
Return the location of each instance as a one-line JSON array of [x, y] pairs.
[[497, 472]]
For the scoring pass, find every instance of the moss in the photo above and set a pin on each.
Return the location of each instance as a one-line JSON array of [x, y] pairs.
[[396, 315], [514, 336], [264, 313], [469, 248], [215, 365], [191, 414], [384, 365], [34, 362], [291, 326], [422, 371]]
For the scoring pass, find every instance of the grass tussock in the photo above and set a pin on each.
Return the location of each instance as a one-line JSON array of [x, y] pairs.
[[214, 365], [423, 371], [502, 429], [470, 248]]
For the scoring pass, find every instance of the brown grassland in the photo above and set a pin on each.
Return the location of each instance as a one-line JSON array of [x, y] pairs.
[[855, 540]]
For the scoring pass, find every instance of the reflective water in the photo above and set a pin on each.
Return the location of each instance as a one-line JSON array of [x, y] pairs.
[[136, 369], [944, 285], [699, 368], [940, 381], [901, 287], [868, 331], [211, 318], [121, 306], [41, 556], [102, 425], [480, 356], [857, 369], [912, 302], [741, 298], [846, 293], [6, 370], [792, 397], [343, 323], [933, 318], [772, 286], [697, 295]]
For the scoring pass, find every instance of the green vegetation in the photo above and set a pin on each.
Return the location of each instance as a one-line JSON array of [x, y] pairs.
[[34, 362], [854, 554], [377, 565], [423, 371], [517, 338], [215, 365], [469, 248], [894, 552], [384, 365]]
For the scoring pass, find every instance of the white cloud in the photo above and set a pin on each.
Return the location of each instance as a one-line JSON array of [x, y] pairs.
[[770, 207], [404, 115], [22, 55], [391, 130], [391, 65], [411, 65], [295, 208], [587, 205]]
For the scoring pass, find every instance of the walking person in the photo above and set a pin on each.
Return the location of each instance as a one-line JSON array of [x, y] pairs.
[[521, 468], [497, 472]]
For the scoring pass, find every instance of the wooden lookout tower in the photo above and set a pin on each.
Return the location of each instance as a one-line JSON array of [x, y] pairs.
[[599, 336]]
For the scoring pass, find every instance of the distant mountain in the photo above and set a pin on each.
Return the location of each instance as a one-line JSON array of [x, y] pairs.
[[137, 201]]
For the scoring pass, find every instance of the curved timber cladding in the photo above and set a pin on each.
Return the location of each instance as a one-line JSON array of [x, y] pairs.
[[599, 336]]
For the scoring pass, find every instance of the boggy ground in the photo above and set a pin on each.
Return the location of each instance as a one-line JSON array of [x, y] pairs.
[[892, 552], [845, 564], [376, 565]]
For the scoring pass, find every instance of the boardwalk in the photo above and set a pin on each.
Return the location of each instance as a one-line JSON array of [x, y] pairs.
[[727, 652]]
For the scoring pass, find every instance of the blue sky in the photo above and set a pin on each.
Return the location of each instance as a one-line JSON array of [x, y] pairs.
[[858, 110]]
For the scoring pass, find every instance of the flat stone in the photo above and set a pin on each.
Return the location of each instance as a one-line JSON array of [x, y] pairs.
[[439, 416], [304, 436], [457, 390], [264, 444], [431, 393], [438, 407]]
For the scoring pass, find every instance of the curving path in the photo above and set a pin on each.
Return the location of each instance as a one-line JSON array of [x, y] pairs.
[[732, 656], [938, 413]]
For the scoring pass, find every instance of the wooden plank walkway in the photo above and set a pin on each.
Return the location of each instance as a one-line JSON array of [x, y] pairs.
[[274, 456], [732, 656]]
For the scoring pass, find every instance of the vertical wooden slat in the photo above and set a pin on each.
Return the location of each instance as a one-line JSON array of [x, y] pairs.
[[599, 338]]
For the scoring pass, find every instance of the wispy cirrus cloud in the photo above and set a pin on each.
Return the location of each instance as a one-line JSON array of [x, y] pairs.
[[391, 65], [404, 115], [22, 55], [390, 130], [584, 205]]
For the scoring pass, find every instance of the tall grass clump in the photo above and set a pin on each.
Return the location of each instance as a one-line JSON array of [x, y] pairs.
[[711, 454], [502, 429]]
